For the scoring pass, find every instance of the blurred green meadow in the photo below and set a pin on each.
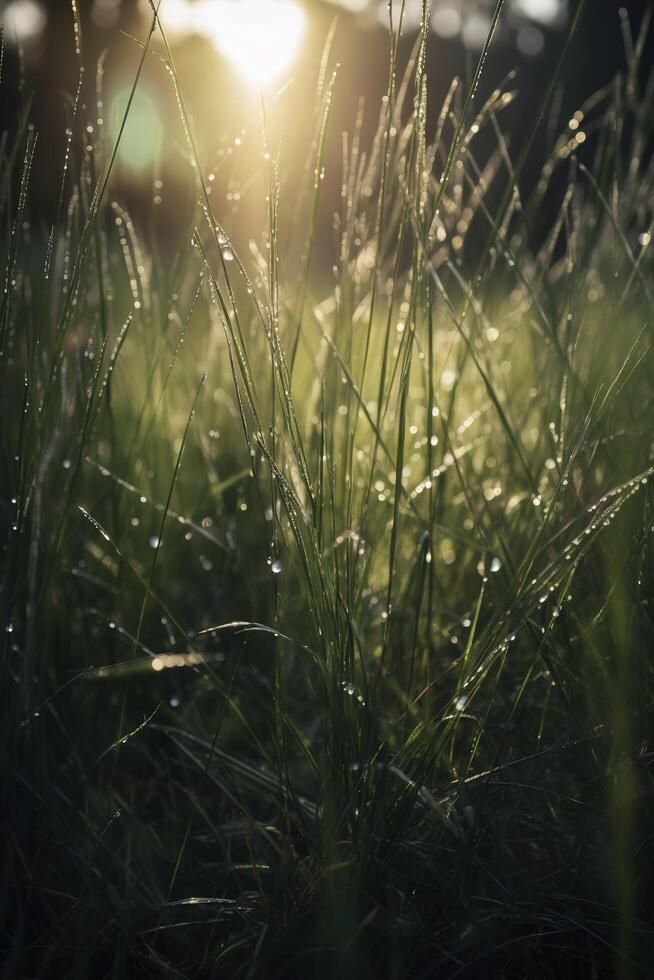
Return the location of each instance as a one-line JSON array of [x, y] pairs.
[[326, 583]]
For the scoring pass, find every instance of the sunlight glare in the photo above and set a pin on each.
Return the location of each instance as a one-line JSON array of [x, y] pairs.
[[260, 37]]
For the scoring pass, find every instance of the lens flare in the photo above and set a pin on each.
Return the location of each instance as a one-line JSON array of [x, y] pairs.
[[142, 135]]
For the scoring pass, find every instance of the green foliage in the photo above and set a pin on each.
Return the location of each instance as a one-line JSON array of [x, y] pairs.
[[326, 606]]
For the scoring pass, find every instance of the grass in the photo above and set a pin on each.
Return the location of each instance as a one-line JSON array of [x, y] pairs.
[[326, 601]]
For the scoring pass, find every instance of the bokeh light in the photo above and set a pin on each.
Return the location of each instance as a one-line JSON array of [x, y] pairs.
[[545, 11], [24, 21]]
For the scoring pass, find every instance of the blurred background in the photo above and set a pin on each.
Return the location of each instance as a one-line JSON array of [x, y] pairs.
[[230, 53]]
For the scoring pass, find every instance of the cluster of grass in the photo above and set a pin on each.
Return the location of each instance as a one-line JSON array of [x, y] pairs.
[[326, 609]]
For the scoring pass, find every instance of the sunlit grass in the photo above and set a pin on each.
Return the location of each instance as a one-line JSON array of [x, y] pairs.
[[326, 596]]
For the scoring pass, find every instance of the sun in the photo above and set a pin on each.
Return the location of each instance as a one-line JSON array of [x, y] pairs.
[[260, 38]]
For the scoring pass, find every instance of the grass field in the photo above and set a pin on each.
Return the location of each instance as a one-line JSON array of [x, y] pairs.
[[326, 596]]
